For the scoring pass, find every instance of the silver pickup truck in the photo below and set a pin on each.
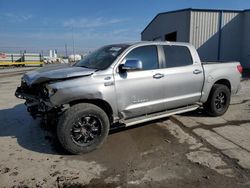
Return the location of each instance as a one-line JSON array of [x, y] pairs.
[[123, 85]]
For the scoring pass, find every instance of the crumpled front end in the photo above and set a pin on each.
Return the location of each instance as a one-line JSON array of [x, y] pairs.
[[37, 89], [37, 98]]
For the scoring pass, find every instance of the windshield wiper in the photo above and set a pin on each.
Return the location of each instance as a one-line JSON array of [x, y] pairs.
[[88, 67], [84, 66]]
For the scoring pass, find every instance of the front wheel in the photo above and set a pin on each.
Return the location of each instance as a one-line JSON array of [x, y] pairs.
[[83, 128], [218, 101]]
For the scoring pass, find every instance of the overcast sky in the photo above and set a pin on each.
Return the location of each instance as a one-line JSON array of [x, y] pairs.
[[48, 24]]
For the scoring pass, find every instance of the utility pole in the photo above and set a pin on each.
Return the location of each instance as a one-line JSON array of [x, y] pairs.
[[66, 51], [73, 41], [41, 56]]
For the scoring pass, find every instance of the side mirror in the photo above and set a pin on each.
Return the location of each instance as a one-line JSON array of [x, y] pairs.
[[131, 64]]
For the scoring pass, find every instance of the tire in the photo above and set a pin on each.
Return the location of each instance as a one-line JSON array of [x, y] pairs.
[[218, 101], [83, 128]]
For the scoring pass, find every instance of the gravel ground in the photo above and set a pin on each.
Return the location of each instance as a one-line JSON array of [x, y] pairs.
[[162, 153]]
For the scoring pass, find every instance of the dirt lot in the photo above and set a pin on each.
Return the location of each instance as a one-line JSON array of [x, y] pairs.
[[189, 150]]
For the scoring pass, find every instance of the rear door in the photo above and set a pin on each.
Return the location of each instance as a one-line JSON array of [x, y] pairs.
[[140, 91], [183, 78]]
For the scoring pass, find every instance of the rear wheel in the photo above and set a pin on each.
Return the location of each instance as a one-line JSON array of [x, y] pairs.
[[83, 128], [218, 101]]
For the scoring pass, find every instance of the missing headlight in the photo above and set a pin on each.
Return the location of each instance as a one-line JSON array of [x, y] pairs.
[[50, 91]]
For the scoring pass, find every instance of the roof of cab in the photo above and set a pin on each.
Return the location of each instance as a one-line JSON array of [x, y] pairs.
[[160, 43], [141, 43]]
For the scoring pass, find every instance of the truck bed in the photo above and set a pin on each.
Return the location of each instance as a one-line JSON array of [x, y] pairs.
[[214, 71], [217, 62]]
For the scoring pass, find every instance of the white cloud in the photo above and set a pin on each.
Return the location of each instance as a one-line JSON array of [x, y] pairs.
[[16, 17], [91, 23]]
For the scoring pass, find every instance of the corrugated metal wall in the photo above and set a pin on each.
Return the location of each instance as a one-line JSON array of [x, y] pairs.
[[231, 36], [168, 23], [245, 53], [211, 42], [228, 16], [203, 25]]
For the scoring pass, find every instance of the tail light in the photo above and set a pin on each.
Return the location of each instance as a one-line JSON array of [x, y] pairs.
[[240, 68]]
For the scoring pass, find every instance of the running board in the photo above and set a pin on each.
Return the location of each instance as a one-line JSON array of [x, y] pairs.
[[158, 115]]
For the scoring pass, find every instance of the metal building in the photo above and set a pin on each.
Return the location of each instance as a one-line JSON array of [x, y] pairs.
[[222, 35]]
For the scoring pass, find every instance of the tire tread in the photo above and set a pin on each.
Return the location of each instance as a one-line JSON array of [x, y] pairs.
[[68, 117]]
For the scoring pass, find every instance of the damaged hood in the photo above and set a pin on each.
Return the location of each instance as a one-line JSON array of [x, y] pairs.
[[55, 72]]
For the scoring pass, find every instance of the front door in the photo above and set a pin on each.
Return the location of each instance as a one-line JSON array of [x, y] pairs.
[[140, 91]]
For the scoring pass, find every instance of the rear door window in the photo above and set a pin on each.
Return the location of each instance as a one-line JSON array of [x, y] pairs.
[[177, 56]]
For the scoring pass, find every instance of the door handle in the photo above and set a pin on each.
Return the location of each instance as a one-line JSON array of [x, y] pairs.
[[197, 71], [158, 76]]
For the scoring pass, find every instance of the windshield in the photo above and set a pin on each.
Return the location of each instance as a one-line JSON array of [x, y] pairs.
[[102, 58]]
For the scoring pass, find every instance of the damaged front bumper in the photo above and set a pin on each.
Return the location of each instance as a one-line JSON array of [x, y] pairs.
[[36, 105]]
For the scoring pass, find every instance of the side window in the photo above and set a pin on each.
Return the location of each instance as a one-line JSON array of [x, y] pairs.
[[177, 56], [148, 56]]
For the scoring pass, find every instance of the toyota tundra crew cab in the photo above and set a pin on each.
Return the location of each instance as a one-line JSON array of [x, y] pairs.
[[124, 85]]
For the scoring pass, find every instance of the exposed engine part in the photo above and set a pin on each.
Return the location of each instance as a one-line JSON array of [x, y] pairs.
[[37, 100]]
